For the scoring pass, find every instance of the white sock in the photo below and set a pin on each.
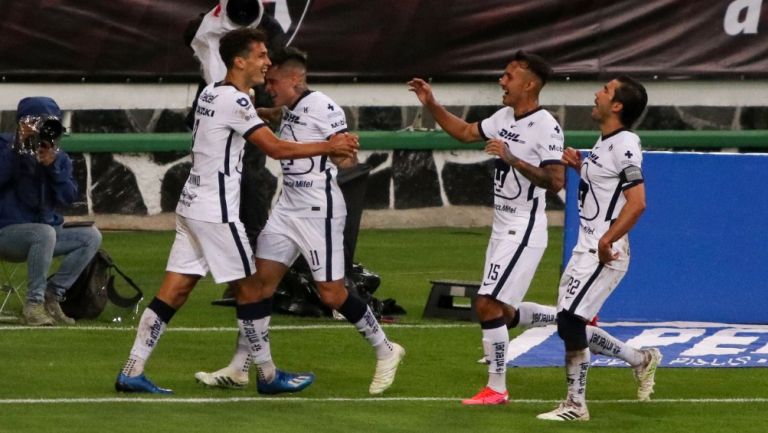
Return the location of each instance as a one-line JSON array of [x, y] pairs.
[[256, 337], [498, 339], [369, 327], [605, 344], [148, 332], [241, 361], [534, 315], [576, 367]]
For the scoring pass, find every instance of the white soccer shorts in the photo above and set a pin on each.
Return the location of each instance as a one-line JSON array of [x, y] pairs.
[[509, 270], [221, 248], [319, 240], [586, 284]]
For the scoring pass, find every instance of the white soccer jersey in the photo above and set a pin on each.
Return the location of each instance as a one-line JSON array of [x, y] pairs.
[[603, 180], [224, 116], [309, 184], [537, 139]]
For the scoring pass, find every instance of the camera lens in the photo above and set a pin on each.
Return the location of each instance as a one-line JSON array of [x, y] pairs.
[[51, 129]]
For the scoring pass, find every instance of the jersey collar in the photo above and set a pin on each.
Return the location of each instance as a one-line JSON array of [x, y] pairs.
[[302, 96], [535, 110], [607, 136]]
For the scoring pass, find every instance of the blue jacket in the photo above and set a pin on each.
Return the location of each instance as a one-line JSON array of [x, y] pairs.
[[29, 191]]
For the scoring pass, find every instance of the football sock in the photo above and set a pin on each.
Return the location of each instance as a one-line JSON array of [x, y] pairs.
[[576, 367], [153, 321], [357, 313], [533, 315], [495, 332], [605, 344], [253, 323], [242, 359]]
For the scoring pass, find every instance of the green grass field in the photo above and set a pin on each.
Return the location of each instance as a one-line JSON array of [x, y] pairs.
[[61, 379]]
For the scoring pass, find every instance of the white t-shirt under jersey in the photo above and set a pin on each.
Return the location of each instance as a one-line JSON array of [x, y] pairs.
[[537, 139], [603, 180], [224, 116], [310, 189]]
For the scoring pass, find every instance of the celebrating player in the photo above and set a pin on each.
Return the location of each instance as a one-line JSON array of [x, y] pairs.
[[308, 219], [611, 200], [528, 143], [209, 234]]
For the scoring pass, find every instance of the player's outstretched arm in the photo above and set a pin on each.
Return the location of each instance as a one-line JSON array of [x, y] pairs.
[[270, 114], [340, 145], [456, 127], [550, 177]]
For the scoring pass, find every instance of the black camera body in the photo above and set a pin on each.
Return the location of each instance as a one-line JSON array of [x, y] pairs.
[[45, 129]]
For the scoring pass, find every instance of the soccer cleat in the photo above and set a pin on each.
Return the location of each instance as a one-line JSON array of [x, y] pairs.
[[386, 369], [53, 308], [646, 373], [484, 360], [36, 315], [566, 411], [138, 383], [285, 382], [224, 378], [487, 396]]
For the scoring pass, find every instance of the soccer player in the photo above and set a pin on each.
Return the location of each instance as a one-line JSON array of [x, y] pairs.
[[611, 200], [528, 143], [308, 219], [209, 234]]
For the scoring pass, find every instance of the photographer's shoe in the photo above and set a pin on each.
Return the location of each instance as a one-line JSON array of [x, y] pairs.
[[138, 383], [36, 315], [285, 382], [53, 308]]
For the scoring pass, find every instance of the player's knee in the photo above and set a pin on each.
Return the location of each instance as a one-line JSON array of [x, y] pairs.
[[488, 308], [572, 330]]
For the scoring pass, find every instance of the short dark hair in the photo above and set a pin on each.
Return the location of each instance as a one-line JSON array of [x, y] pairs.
[[535, 64], [238, 42], [288, 54], [633, 98]]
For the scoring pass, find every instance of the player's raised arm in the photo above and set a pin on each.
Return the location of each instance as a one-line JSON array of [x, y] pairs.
[[340, 145], [456, 127]]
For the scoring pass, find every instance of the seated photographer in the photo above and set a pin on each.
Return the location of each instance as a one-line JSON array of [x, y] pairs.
[[35, 179]]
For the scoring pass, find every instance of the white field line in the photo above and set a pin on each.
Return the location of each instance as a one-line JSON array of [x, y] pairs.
[[176, 400], [344, 325], [341, 325]]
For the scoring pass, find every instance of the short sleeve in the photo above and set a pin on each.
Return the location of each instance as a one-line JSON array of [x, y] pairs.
[[550, 143], [489, 127], [243, 118]]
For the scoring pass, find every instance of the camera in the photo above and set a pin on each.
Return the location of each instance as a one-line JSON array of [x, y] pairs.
[[36, 130]]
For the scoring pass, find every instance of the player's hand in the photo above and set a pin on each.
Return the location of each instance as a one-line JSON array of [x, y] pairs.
[[605, 252], [46, 154], [422, 90], [572, 158], [498, 148], [344, 145]]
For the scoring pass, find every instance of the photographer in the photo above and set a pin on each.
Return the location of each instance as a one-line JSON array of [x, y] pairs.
[[36, 178]]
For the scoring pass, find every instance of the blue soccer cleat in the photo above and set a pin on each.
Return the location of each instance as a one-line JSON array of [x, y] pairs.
[[285, 382], [138, 383]]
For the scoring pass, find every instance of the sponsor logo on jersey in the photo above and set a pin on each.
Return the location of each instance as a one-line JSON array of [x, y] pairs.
[[555, 148], [511, 136], [587, 229], [505, 208], [204, 111], [208, 98], [243, 102], [289, 117], [298, 183], [338, 124]]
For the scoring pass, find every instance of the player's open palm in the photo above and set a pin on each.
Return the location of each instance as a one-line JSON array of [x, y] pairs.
[[422, 90]]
